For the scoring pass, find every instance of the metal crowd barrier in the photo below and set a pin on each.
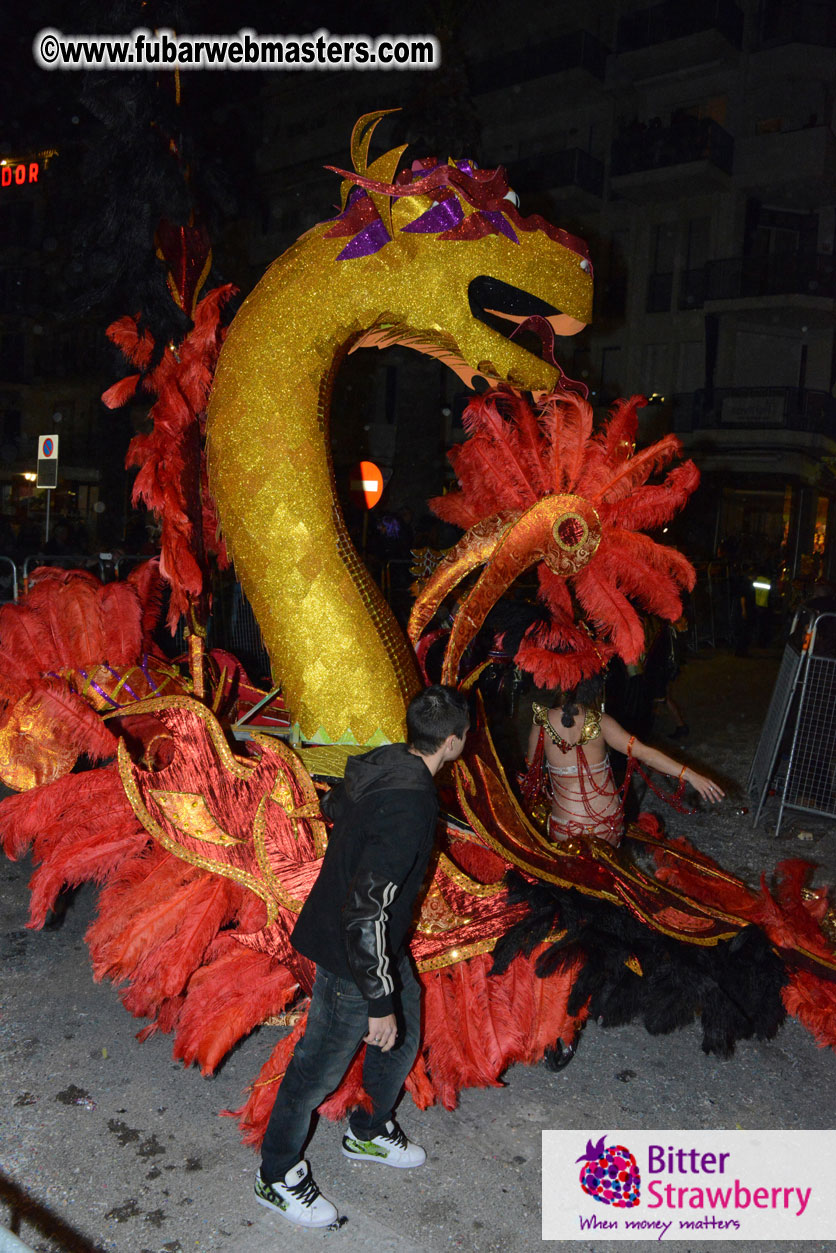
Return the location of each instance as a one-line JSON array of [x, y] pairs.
[[103, 565], [232, 626], [123, 563], [797, 747], [811, 781]]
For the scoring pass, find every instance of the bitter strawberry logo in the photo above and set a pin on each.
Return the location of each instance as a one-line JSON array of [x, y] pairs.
[[610, 1174]]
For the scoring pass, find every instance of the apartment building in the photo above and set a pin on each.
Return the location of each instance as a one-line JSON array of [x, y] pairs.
[[694, 146]]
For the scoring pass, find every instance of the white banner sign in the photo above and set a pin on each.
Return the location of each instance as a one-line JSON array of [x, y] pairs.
[[689, 1185]]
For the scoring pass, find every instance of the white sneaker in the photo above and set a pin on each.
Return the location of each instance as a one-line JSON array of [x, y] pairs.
[[296, 1198], [390, 1149]]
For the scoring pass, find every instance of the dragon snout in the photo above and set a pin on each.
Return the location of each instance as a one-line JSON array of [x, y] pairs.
[[531, 322]]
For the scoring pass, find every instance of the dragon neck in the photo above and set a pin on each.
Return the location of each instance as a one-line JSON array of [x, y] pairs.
[[333, 642], [345, 667]]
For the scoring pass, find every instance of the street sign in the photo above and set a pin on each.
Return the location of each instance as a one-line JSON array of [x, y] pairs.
[[48, 461], [365, 484], [47, 470]]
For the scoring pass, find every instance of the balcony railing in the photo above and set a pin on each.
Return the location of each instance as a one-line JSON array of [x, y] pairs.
[[675, 19], [692, 289], [571, 168], [804, 22], [577, 50], [747, 408], [741, 277], [657, 147]]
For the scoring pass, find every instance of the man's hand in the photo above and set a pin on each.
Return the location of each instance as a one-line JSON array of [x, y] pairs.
[[383, 1032]]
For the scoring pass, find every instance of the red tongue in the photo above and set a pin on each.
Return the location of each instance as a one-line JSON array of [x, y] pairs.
[[544, 331]]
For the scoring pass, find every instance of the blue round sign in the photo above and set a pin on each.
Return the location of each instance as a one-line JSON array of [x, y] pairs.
[[48, 446]]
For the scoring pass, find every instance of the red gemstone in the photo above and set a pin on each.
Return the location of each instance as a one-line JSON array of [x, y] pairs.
[[571, 532]]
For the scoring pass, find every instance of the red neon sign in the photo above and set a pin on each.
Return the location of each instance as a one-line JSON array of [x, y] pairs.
[[15, 171], [19, 173]]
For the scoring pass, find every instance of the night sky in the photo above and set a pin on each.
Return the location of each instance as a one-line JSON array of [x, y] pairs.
[[115, 175]]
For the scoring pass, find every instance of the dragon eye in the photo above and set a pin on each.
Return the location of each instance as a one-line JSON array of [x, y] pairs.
[[513, 197]]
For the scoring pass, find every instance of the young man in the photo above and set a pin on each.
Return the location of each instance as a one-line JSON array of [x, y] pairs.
[[353, 926]]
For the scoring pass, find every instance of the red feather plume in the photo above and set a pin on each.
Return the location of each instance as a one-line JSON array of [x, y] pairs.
[[226, 999], [172, 479], [518, 453]]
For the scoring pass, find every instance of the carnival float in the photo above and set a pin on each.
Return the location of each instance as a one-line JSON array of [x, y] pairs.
[[132, 771]]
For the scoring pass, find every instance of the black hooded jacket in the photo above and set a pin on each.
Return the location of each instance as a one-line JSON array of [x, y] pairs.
[[356, 917]]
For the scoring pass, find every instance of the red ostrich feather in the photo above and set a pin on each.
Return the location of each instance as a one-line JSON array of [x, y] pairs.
[[172, 473], [67, 626], [518, 454]]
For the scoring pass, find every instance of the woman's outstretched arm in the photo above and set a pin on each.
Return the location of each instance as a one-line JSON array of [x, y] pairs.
[[617, 738]]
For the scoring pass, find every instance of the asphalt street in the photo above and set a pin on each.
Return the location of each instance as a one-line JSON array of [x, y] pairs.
[[108, 1144]]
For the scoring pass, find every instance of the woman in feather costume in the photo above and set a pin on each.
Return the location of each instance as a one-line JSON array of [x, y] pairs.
[[584, 798], [540, 489]]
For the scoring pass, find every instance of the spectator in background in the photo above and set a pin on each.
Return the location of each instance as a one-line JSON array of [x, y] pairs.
[[742, 600], [407, 536], [8, 539], [79, 536], [60, 542], [135, 533], [8, 548], [30, 539]]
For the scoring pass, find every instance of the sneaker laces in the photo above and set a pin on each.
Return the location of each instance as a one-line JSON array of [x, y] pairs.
[[396, 1137], [305, 1191]]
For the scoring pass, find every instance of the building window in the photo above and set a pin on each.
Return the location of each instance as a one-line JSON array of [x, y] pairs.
[[662, 257], [690, 369], [656, 360], [659, 291], [610, 385]]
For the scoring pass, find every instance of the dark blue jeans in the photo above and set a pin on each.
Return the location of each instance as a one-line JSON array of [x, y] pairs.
[[337, 1021]]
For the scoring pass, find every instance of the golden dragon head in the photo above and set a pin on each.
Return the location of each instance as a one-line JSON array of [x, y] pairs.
[[489, 292]]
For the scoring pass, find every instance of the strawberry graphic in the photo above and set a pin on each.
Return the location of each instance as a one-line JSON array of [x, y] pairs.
[[610, 1174]]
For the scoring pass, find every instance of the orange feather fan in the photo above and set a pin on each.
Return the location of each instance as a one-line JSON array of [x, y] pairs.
[[234, 991], [80, 828]]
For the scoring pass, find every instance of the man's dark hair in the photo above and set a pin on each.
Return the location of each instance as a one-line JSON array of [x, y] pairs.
[[434, 714]]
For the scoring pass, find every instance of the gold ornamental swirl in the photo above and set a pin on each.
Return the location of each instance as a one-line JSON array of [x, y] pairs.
[[576, 534], [261, 888], [190, 813]]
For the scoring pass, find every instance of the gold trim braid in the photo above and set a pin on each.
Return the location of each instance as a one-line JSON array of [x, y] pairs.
[[590, 730]]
